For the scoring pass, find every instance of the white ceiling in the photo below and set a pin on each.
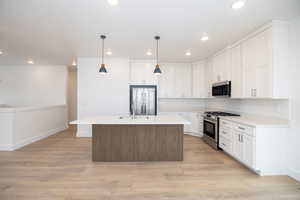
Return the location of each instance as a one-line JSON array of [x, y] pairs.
[[56, 31]]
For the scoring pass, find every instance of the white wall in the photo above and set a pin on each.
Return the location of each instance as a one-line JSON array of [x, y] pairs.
[[294, 68], [6, 129], [37, 96], [37, 123], [102, 94], [22, 126], [32, 85]]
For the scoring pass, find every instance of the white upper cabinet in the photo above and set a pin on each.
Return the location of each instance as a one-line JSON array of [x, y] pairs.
[[265, 61], [208, 77], [257, 64], [166, 82], [221, 66], [141, 73], [236, 72], [175, 80], [198, 81]]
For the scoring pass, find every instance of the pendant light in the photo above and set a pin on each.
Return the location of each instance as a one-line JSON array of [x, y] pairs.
[[102, 68], [157, 70]]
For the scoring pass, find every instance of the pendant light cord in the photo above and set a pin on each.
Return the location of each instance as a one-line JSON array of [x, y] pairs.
[[157, 51], [102, 50], [98, 52]]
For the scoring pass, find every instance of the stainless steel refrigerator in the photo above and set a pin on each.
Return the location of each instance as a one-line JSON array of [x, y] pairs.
[[143, 100]]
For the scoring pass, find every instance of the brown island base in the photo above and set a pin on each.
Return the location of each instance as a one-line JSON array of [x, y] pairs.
[[139, 139], [134, 143]]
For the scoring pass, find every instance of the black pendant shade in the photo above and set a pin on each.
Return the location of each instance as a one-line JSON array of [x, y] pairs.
[[157, 70], [102, 69]]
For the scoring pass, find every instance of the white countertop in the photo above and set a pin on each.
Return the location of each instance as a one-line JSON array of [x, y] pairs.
[[142, 120], [258, 121]]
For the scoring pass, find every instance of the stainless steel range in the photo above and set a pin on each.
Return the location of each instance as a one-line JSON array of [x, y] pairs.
[[211, 127]]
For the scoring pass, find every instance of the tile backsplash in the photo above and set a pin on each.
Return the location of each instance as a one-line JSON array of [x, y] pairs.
[[278, 108]]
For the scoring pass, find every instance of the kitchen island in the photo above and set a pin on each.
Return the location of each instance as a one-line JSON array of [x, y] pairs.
[[143, 138]]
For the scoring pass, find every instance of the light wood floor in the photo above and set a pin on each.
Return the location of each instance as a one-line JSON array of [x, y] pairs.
[[60, 167]]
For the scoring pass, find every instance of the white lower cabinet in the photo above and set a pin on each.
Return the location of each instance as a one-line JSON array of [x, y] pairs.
[[237, 146], [225, 144], [243, 148], [196, 126], [241, 139], [248, 150], [259, 148], [186, 116], [196, 120]]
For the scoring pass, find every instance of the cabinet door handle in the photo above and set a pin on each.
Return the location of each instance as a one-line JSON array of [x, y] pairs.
[[223, 144], [224, 132], [239, 137], [255, 92], [242, 138]]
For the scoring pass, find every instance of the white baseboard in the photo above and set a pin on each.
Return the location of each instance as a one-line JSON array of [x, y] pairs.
[[6, 147], [38, 137], [294, 174]]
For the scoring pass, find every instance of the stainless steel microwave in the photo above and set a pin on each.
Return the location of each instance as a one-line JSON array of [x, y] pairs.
[[221, 89]]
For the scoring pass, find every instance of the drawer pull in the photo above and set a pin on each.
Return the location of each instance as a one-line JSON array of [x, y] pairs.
[[224, 144], [224, 132]]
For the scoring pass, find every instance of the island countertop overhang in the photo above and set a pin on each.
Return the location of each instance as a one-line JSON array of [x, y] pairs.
[[138, 120]]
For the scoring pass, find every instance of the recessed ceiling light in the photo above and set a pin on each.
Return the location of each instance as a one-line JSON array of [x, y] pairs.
[[30, 61], [1, 51], [188, 53], [109, 52], [113, 2], [149, 52], [74, 63], [204, 37], [238, 4]]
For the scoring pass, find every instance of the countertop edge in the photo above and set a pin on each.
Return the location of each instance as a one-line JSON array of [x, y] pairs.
[[256, 125]]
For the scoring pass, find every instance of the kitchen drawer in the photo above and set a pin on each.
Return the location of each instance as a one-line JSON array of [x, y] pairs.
[[226, 133], [225, 124], [244, 129], [225, 144]]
